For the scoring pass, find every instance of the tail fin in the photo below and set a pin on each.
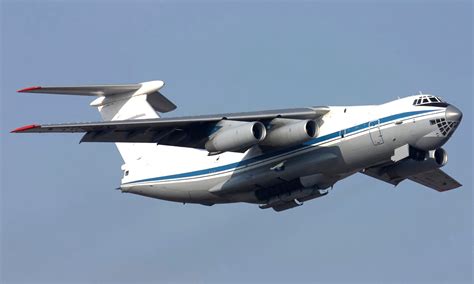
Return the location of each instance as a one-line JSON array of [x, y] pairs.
[[121, 102]]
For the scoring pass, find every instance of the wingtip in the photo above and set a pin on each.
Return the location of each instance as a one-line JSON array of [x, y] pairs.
[[25, 90], [24, 128]]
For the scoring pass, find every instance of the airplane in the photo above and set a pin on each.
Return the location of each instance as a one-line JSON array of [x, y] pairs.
[[274, 158]]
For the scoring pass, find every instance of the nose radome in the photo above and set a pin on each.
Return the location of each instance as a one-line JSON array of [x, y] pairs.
[[453, 113]]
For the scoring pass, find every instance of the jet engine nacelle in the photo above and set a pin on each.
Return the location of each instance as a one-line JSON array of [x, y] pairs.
[[287, 132], [235, 135], [409, 167]]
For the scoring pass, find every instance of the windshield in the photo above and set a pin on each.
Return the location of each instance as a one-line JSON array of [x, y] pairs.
[[429, 100]]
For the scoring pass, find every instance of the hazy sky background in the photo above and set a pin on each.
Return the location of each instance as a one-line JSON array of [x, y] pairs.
[[62, 221]]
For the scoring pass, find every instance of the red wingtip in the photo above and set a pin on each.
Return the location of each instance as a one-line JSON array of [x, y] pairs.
[[24, 128], [29, 89]]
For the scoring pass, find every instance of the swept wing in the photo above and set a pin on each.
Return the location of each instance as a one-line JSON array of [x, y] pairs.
[[435, 179], [188, 131]]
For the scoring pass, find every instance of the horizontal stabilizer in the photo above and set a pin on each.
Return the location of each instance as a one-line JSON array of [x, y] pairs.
[[159, 102], [93, 90]]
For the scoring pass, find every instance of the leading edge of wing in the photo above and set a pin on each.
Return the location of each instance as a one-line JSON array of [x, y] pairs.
[[297, 113], [86, 90]]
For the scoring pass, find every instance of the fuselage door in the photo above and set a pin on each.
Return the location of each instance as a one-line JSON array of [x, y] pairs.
[[375, 133]]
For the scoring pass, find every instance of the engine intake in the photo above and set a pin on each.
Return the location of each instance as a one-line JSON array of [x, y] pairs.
[[288, 132], [235, 135]]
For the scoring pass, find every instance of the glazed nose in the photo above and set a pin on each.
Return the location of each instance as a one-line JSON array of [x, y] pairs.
[[453, 113]]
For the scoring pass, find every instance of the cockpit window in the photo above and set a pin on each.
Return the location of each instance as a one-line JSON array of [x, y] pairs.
[[429, 100]]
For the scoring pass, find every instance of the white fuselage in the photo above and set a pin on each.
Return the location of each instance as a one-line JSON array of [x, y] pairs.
[[350, 139]]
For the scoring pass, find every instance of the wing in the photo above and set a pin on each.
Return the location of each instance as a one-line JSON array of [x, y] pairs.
[[379, 173], [190, 131], [435, 179]]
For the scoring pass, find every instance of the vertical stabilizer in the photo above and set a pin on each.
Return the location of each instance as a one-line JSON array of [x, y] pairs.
[[120, 102], [140, 104]]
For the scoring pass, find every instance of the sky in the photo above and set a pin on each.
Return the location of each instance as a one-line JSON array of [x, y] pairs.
[[63, 222]]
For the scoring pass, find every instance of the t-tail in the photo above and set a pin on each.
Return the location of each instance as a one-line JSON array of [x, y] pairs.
[[120, 102]]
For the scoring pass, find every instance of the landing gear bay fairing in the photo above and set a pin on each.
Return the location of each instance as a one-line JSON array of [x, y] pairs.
[[275, 158]]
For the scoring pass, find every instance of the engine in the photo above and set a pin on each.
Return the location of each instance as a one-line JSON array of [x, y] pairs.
[[287, 132], [415, 165], [235, 135]]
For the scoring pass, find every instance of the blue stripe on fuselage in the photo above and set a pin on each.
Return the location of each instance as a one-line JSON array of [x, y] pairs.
[[275, 153]]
